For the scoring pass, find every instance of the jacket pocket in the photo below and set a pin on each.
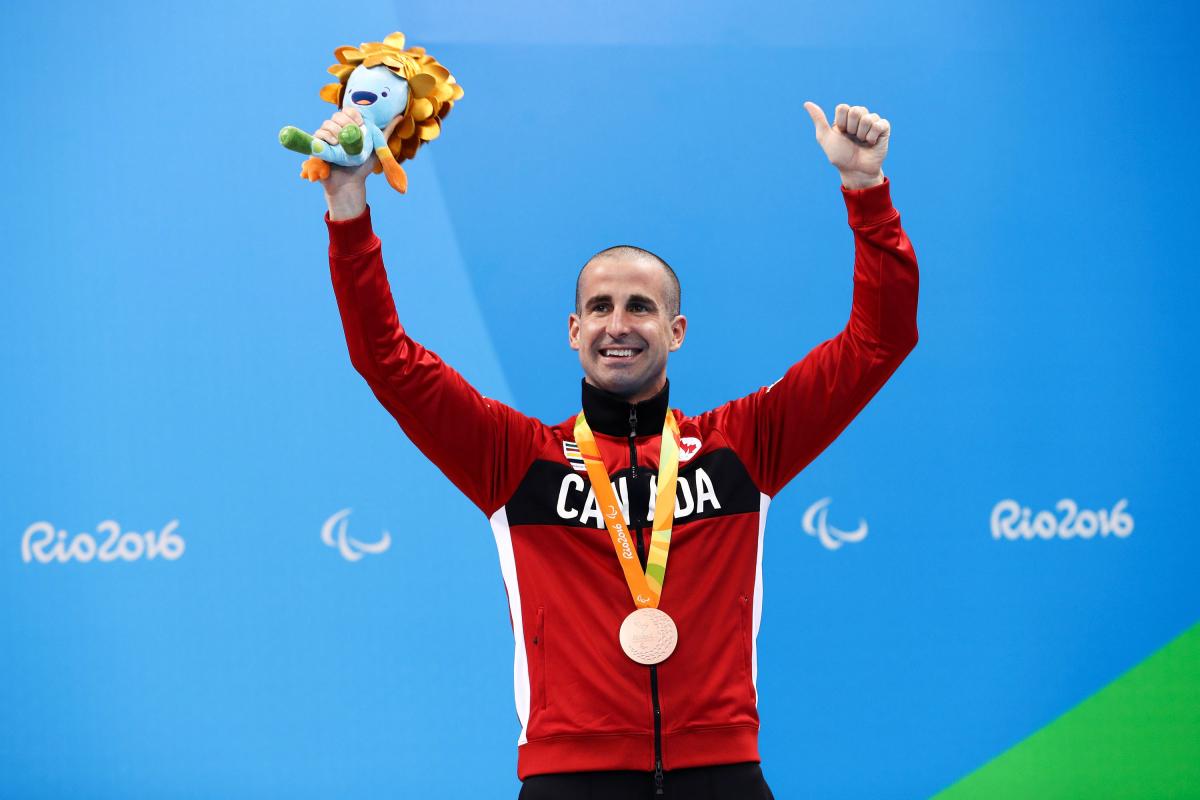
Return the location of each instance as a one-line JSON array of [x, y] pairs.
[[745, 614], [539, 646]]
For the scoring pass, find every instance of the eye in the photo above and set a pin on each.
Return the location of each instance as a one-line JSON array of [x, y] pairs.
[[384, 92]]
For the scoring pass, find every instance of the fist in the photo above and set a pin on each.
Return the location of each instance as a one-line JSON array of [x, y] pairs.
[[855, 144], [332, 127]]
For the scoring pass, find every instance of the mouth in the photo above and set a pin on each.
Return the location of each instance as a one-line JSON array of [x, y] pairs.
[[619, 353], [363, 98]]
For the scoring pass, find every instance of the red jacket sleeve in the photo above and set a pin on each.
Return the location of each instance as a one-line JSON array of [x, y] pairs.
[[483, 446], [779, 429]]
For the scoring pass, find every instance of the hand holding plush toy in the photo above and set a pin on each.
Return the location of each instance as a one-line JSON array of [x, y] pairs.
[[384, 83]]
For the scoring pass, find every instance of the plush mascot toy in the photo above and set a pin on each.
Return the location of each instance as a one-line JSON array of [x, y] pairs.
[[382, 81]]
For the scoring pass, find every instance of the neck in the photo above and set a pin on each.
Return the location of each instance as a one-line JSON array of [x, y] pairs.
[[639, 396], [611, 414]]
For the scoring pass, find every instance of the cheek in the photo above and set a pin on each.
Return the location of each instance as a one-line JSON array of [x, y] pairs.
[[659, 337]]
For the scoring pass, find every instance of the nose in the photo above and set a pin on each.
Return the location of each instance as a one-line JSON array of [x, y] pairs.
[[618, 324]]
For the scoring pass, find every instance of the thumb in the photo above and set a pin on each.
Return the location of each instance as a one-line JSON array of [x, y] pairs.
[[391, 126], [818, 117]]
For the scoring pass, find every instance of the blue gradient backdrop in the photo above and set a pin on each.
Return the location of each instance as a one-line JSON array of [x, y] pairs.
[[171, 350]]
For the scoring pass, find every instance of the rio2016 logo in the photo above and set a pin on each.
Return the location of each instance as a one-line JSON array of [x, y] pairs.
[[42, 543], [1012, 521]]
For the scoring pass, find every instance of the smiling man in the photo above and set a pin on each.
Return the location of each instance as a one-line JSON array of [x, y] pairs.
[[630, 534], [626, 321]]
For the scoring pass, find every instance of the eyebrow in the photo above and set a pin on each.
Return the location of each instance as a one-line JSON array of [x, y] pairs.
[[600, 298], [633, 298], [641, 298]]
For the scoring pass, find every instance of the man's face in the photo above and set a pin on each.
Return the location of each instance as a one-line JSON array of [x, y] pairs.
[[624, 330]]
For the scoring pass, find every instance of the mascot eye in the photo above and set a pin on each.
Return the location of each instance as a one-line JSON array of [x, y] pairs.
[[385, 93]]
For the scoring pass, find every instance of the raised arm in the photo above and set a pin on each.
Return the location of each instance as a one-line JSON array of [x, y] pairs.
[[482, 445], [780, 428]]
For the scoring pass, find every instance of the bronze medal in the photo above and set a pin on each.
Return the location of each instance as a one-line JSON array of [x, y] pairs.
[[649, 636]]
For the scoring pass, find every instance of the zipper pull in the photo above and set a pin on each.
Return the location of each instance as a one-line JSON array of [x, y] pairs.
[[658, 777], [633, 436]]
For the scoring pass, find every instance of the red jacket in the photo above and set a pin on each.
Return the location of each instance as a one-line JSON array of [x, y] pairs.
[[582, 703]]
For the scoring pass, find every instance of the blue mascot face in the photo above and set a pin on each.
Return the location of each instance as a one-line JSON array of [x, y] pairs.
[[377, 93]]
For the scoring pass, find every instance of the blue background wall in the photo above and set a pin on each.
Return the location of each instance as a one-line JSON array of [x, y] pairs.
[[171, 350]]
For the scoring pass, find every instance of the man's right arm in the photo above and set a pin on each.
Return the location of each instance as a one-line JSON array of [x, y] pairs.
[[482, 445]]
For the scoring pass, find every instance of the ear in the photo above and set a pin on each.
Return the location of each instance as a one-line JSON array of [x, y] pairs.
[[573, 331], [678, 331]]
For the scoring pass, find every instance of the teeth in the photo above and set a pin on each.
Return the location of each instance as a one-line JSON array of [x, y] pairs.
[[618, 353]]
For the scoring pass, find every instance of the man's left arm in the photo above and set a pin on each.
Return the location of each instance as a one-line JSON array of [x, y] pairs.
[[779, 429]]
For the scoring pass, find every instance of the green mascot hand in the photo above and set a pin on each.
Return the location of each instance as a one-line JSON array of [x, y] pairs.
[[298, 141]]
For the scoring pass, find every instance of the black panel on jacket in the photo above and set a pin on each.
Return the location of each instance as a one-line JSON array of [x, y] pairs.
[[711, 485]]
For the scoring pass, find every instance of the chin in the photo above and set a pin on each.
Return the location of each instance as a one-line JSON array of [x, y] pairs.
[[621, 388], [621, 385]]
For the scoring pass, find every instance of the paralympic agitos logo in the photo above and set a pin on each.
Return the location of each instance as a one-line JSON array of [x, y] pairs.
[[816, 523], [333, 534]]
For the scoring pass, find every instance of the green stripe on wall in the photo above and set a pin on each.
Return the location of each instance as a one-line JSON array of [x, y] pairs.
[[1138, 738]]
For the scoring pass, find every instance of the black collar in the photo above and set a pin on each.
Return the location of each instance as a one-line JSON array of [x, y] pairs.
[[612, 415]]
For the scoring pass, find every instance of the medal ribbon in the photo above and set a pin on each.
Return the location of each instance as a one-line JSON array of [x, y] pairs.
[[646, 587]]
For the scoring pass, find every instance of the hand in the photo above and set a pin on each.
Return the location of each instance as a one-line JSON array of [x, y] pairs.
[[855, 144], [346, 187]]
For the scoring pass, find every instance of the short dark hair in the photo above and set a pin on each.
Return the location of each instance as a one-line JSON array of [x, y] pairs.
[[674, 293]]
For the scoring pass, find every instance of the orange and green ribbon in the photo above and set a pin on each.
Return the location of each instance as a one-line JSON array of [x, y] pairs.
[[646, 587]]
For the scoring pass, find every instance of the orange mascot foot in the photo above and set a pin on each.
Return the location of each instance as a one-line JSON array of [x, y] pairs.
[[315, 169]]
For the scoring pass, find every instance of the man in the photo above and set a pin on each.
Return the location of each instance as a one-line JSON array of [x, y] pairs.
[[629, 684]]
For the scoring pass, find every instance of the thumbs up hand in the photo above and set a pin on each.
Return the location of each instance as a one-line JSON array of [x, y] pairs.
[[855, 144]]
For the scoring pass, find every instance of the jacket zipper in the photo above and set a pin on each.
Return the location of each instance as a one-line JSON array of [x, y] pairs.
[[658, 769]]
